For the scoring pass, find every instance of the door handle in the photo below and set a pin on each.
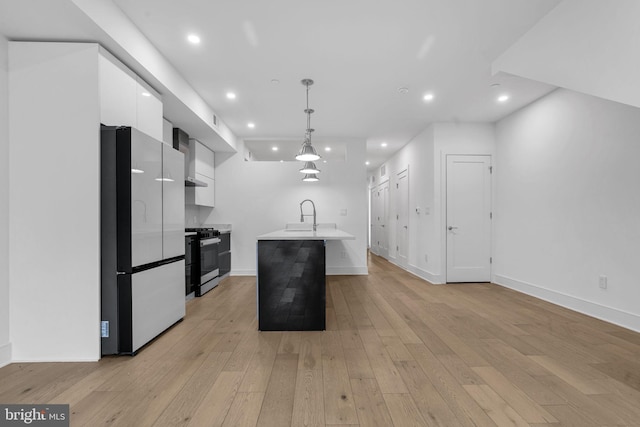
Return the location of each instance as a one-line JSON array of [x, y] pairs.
[[209, 242], [451, 227]]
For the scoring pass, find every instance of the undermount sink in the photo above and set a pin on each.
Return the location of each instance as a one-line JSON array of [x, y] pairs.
[[304, 226]]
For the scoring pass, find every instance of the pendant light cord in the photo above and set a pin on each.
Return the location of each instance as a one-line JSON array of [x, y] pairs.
[[308, 117]]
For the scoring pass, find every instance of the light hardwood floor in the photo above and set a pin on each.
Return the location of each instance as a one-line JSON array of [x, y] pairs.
[[398, 351]]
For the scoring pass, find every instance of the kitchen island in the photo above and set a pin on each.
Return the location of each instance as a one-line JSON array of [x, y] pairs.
[[291, 284]]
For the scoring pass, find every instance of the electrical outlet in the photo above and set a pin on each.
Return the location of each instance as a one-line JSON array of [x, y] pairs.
[[426, 258], [603, 282]]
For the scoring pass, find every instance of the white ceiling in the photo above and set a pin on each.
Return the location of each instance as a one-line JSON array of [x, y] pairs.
[[358, 52]]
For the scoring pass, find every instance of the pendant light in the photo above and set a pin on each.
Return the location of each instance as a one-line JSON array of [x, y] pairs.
[[310, 177], [307, 153], [309, 167]]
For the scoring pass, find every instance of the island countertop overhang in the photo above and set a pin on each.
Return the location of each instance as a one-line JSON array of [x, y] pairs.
[[321, 234]]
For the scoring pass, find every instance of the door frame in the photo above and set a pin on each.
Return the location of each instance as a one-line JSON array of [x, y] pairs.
[[442, 211], [404, 171], [384, 252]]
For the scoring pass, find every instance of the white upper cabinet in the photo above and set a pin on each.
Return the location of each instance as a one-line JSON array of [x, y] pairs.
[[204, 159], [117, 94], [126, 100], [204, 196], [148, 110], [202, 168]]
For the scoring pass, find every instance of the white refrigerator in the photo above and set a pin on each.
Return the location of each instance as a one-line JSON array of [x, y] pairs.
[[142, 238]]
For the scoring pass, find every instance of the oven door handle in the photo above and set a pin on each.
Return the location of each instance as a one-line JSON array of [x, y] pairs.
[[208, 242]]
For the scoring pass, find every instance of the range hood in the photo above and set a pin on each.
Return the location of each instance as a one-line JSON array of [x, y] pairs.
[[190, 181], [181, 143]]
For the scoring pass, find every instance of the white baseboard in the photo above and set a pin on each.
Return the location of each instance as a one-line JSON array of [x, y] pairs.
[[243, 272], [54, 360], [608, 314], [5, 354], [434, 279], [347, 271]]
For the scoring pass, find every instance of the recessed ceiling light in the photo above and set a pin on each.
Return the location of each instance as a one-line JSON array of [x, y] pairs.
[[403, 90], [231, 95], [503, 98], [428, 97], [384, 144], [281, 161], [367, 163], [275, 81], [274, 148], [145, 94], [251, 125], [327, 148], [193, 39]]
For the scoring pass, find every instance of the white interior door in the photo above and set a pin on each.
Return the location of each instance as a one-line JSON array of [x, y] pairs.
[[402, 212], [373, 223], [468, 228], [384, 219]]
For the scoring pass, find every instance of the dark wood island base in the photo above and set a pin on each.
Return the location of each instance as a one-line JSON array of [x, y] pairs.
[[291, 285]]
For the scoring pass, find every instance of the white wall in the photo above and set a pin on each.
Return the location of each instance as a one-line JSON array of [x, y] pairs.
[[425, 156], [260, 197], [5, 345], [54, 202], [417, 156], [568, 205]]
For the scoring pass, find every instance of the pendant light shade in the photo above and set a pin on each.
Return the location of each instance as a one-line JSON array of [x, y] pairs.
[[309, 167], [307, 153], [310, 177]]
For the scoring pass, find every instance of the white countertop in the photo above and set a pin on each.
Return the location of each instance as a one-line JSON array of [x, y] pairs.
[[321, 234], [222, 228]]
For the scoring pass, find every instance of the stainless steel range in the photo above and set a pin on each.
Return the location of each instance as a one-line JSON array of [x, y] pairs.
[[207, 268]]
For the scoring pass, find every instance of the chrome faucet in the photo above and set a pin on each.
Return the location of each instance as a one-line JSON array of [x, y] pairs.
[[302, 215]]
